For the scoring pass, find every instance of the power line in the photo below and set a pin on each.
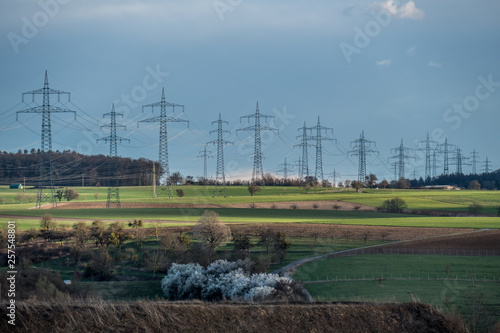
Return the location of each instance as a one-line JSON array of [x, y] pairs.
[[113, 139], [46, 173], [318, 173], [304, 143], [401, 155], [163, 119], [205, 155], [428, 146], [475, 160], [220, 176], [486, 165], [257, 171], [362, 148], [445, 149], [285, 168]]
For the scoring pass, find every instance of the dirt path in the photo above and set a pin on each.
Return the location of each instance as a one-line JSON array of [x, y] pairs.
[[456, 238]]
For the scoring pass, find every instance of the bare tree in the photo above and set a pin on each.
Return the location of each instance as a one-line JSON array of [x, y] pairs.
[[211, 231]]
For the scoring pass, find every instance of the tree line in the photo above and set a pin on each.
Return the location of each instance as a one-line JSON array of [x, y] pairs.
[[74, 169]]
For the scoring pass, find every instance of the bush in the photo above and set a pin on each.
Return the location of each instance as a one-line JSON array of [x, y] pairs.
[[252, 188], [179, 192], [71, 194], [475, 208], [395, 205], [225, 280]]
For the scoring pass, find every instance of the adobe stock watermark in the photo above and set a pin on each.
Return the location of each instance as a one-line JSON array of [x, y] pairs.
[[362, 38], [151, 81], [460, 111], [222, 7], [31, 26], [471, 103]]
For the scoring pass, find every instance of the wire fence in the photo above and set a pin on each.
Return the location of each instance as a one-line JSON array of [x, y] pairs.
[[404, 250], [400, 277]]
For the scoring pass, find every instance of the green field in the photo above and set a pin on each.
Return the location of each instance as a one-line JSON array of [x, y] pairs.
[[416, 199], [420, 277], [247, 215]]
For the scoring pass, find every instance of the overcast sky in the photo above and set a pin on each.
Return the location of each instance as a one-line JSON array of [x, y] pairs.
[[397, 70]]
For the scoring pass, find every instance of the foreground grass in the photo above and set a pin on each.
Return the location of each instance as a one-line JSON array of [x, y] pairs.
[[401, 266], [161, 316], [445, 294]]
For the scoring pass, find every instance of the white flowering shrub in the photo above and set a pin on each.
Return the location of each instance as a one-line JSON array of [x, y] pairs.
[[223, 280]]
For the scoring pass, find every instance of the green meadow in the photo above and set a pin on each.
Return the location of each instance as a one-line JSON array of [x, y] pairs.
[[193, 194]]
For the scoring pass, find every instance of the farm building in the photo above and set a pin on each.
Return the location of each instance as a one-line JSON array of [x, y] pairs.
[[16, 186], [441, 187]]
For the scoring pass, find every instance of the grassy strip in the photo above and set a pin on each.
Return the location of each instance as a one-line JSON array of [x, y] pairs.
[[416, 199], [247, 215]]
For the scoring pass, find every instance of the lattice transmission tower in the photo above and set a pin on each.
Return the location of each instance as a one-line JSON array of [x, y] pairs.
[[362, 148], [474, 160], [428, 146], [334, 175], [285, 168], [445, 149], [319, 138], [298, 164], [304, 144], [257, 128], [164, 119], [459, 160], [220, 177], [113, 139], [46, 180], [205, 154], [486, 166], [401, 156]]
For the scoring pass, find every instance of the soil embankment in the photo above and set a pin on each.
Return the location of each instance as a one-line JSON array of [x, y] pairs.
[[164, 316]]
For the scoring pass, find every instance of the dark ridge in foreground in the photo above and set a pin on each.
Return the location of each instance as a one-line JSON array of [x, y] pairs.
[[161, 316]]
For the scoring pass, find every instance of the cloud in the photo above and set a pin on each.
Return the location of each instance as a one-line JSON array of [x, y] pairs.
[[385, 62], [434, 64], [411, 11], [408, 10], [412, 50]]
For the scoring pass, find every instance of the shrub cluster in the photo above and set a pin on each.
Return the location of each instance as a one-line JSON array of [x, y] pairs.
[[225, 280]]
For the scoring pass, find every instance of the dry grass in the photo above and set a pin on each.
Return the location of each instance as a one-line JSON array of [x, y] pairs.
[[161, 316]]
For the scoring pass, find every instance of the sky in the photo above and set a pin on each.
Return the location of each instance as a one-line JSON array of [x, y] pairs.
[[396, 70]]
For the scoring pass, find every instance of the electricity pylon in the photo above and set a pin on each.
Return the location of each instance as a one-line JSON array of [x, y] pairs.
[[394, 166], [304, 143], [428, 146], [486, 166], [334, 175], [362, 148], [435, 165], [257, 128], [220, 176], [113, 139], [163, 119], [401, 156], [298, 164], [445, 149], [475, 159], [318, 173], [46, 173], [205, 154], [285, 168], [459, 160]]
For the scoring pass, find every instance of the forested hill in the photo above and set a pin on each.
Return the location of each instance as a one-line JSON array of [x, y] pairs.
[[74, 169]]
